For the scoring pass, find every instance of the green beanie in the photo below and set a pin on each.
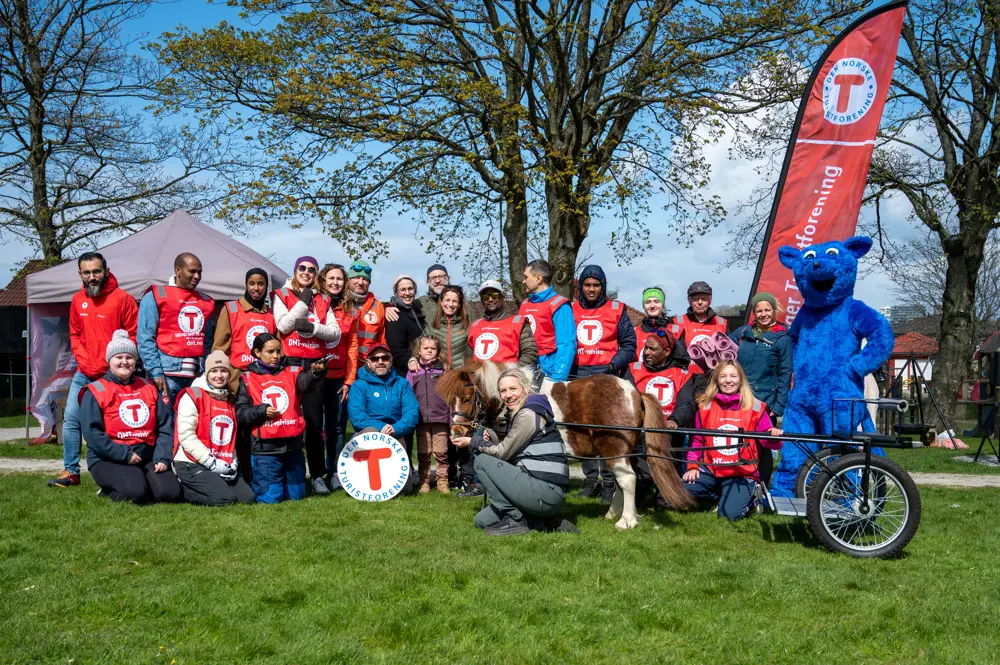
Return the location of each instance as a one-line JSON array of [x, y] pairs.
[[764, 296], [653, 292]]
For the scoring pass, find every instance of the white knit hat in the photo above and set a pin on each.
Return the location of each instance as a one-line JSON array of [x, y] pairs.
[[120, 343]]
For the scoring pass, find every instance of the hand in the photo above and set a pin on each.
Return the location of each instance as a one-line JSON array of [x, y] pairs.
[[670, 424], [486, 436], [272, 412], [133, 458], [388, 429], [319, 368], [160, 383], [343, 392], [391, 314], [306, 296], [462, 441], [691, 477], [774, 431], [304, 326], [413, 365], [160, 467]]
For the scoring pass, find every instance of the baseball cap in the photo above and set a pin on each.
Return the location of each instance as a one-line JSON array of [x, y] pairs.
[[379, 347], [699, 287], [491, 284]]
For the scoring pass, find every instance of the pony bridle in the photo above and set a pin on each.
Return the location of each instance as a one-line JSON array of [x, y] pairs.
[[471, 419]]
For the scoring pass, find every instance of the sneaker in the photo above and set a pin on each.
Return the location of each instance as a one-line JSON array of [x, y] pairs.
[[333, 482], [508, 527], [607, 495], [471, 491], [590, 490], [554, 525], [65, 479], [319, 487]]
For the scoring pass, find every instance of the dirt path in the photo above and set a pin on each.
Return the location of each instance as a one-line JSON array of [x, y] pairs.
[[14, 433]]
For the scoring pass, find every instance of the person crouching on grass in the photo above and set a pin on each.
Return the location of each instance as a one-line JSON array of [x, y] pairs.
[[435, 414], [269, 403], [205, 440], [717, 474]]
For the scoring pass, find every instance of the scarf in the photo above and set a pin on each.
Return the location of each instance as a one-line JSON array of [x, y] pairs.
[[652, 323]]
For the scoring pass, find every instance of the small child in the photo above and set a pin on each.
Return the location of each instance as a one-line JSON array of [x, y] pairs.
[[435, 414], [717, 475]]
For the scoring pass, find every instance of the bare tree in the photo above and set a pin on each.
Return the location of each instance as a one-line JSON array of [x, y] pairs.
[[77, 159]]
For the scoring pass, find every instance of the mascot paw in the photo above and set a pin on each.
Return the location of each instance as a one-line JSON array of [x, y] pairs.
[[627, 523]]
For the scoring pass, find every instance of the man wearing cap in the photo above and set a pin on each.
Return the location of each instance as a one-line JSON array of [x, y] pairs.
[[700, 321], [550, 316], [653, 300], [176, 327], [499, 337], [605, 344], [381, 400], [371, 313]]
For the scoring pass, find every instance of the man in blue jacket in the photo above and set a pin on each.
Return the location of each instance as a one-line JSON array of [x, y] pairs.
[[551, 318], [380, 399]]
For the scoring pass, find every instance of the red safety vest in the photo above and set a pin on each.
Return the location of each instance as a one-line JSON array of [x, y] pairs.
[[337, 363], [277, 390], [695, 332], [245, 327], [496, 341], [304, 345], [715, 417], [216, 424], [129, 411], [183, 314], [663, 385], [371, 326], [539, 316], [641, 335], [597, 333]]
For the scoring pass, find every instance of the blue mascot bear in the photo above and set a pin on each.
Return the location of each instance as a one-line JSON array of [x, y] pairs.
[[829, 362]]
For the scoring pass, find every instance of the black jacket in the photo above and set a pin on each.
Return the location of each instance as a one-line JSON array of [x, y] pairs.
[[251, 415], [100, 448], [402, 333]]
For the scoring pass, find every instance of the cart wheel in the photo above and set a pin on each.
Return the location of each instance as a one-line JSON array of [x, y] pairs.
[[845, 521], [809, 468]]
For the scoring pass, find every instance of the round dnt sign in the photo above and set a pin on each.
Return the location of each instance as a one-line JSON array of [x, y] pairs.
[[373, 467]]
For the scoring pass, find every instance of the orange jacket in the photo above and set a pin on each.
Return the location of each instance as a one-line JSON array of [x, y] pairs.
[[371, 326], [92, 321]]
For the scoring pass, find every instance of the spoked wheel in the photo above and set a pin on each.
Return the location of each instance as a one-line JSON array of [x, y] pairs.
[[809, 468], [878, 523]]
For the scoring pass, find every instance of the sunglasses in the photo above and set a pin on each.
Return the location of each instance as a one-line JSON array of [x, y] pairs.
[[359, 268], [659, 332], [491, 296], [381, 359], [308, 269]]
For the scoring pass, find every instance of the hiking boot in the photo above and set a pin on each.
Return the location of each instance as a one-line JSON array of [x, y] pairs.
[[590, 490], [425, 487], [508, 526], [607, 495], [471, 491], [65, 479], [442, 486], [319, 487]]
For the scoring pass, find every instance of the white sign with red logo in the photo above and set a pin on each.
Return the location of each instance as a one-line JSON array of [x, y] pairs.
[[849, 91], [190, 319], [373, 467], [252, 334], [589, 332], [221, 430], [487, 346], [133, 412], [727, 440], [662, 389], [277, 397], [371, 317], [698, 338]]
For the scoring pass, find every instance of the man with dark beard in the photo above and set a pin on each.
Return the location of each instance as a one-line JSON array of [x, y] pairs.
[[371, 313], [95, 313]]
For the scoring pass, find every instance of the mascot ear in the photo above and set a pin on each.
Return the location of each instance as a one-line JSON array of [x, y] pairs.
[[789, 256], [858, 246]]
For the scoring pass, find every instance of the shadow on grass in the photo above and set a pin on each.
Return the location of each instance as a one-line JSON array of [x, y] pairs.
[[796, 531]]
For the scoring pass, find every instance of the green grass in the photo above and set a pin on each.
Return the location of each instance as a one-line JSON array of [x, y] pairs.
[[410, 581], [19, 448], [941, 460], [17, 421]]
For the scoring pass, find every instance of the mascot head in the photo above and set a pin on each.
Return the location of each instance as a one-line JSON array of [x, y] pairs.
[[825, 274]]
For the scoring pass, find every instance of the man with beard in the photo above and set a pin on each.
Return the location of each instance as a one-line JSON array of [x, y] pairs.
[[380, 400], [176, 328], [437, 279], [95, 313], [371, 313]]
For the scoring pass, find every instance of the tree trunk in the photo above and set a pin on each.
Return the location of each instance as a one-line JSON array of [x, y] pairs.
[[964, 256], [566, 236], [515, 231]]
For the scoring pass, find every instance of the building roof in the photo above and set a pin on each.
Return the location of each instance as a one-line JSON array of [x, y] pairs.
[[15, 294], [991, 345], [915, 344], [928, 326]]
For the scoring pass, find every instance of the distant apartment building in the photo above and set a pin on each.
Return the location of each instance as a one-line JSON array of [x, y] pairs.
[[897, 314]]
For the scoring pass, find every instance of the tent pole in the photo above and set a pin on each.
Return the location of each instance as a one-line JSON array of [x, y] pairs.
[[27, 373]]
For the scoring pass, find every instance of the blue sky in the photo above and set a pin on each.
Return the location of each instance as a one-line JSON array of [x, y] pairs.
[[667, 264]]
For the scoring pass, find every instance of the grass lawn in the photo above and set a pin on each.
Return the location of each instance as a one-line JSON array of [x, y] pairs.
[[19, 448], [336, 581], [941, 460], [17, 421]]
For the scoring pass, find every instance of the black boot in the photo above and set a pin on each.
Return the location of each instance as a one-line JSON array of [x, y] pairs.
[[471, 490], [590, 489], [607, 494], [508, 526]]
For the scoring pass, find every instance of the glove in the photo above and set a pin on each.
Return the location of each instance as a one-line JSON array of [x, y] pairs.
[[231, 475], [306, 296], [304, 326], [215, 465]]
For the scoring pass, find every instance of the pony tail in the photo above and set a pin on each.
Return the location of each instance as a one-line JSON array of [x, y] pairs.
[[658, 447]]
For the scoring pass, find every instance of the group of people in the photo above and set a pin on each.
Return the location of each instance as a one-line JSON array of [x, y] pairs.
[[240, 399]]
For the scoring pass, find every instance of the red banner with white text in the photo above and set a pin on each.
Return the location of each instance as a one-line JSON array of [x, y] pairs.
[[823, 177]]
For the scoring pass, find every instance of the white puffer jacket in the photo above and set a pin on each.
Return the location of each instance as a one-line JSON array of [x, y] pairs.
[[186, 423]]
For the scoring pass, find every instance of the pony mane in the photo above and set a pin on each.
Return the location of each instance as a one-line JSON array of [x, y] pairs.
[[451, 384], [486, 376]]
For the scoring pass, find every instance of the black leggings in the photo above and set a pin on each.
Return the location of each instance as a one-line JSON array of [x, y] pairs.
[[136, 483]]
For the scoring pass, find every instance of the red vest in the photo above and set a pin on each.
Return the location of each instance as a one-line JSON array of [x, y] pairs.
[[715, 417], [245, 328], [304, 345], [183, 314], [216, 424], [277, 390], [539, 316], [663, 385], [337, 363], [496, 341], [371, 326], [597, 333], [129, 411], [641, 335], [695, 332]]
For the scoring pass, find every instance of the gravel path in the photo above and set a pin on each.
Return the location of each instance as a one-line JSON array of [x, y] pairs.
[[13, 433]]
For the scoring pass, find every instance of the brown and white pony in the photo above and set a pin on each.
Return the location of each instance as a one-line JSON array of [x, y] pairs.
[[471, 391]]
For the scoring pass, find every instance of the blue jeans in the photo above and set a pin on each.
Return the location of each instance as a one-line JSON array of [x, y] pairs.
[[175, 384], [734, 493], [71, 438], [279, 477]]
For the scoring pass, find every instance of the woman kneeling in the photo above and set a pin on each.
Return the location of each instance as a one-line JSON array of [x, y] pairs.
[[129, 431], [526, 474], [204, 446]]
